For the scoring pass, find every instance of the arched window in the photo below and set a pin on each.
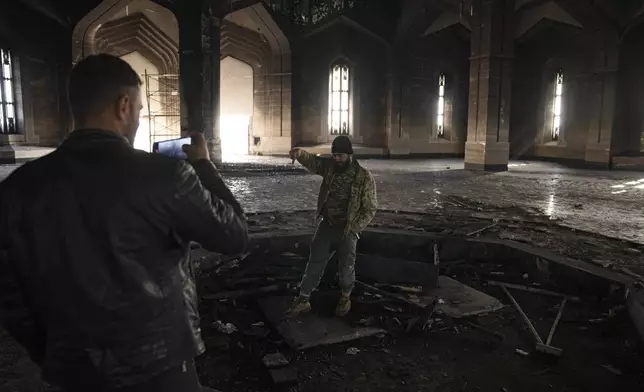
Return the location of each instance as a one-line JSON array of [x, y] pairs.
[[339, 119], [8, 123], [556, 107]]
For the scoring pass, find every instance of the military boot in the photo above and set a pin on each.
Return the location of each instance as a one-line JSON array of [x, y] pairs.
[[301, 304], [344, 305]]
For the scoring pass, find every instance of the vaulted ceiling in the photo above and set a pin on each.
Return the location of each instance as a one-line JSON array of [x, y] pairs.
[[618, 14], [69, 12], [138, 33], [615, 15]]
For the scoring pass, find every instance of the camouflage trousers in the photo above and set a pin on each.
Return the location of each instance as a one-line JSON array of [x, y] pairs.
[[327, 242]]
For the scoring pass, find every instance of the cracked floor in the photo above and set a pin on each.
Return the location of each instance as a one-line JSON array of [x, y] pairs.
[[602, 202]]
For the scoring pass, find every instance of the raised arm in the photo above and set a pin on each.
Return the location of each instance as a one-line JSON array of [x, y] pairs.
[[312, 163], [204, 210]]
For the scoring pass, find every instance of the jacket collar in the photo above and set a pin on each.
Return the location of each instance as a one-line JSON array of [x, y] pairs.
[[84, 139]]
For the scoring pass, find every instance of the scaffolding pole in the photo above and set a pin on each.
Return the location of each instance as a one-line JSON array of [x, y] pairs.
[[164, 106]]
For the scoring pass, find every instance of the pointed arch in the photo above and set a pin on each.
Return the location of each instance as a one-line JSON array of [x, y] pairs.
[[530, 17], [137, 33], [84, 35]]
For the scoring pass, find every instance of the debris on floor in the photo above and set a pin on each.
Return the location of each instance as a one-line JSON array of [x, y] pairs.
[[540, 346], [275, 360], [226, 328], [611, 369], [352, 351]]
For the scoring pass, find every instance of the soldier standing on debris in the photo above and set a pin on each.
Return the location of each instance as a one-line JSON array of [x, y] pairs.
[[347, 203]]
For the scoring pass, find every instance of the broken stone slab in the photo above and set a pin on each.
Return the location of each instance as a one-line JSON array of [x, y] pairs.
[[310, 330], [275, 360], [459, 300]]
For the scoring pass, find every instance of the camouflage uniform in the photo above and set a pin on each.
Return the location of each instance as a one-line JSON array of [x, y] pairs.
[[347, 202]]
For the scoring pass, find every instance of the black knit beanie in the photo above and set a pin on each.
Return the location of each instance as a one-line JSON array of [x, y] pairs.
[[342, 145]]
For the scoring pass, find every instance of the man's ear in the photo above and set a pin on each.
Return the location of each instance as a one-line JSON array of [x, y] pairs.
[[122, 106]]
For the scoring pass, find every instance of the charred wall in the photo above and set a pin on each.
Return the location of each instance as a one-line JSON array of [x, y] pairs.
[[38, 46], [423, 60], [539, 55], [628, 134], [367, 57]]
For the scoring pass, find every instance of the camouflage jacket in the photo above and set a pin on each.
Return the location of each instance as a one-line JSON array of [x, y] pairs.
[[363, 203]]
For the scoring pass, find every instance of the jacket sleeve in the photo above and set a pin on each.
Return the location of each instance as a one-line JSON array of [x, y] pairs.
[[16, 316], [368, 205], [204, 210], [312, 163]]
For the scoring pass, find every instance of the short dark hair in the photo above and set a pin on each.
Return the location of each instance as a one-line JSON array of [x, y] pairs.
[[97, 81]]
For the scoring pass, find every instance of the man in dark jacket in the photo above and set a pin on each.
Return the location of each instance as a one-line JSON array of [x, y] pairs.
[[94, 241]]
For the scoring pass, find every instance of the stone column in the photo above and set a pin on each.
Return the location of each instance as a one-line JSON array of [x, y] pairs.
[[603, 100], [199, 51], [64, 69], [492, 47], [397, 140], [390, 118]]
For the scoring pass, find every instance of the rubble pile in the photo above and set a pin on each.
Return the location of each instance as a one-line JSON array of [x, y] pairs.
[[427, 340]]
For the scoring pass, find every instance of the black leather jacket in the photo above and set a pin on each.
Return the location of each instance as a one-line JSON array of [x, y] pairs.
[[95, 276]]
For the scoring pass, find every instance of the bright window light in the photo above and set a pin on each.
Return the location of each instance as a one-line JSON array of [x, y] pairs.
[[8, 123], [234, 135], [556, 120], [339, 100], [440, 110]]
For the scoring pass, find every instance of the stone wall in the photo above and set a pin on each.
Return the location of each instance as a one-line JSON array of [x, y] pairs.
[[38, 76], [538, 58], [628, 134], [42, 104], [422, 62], [366, 56], [394, 86]]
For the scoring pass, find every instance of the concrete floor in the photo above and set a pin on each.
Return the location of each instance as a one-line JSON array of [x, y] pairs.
[[603, 202]]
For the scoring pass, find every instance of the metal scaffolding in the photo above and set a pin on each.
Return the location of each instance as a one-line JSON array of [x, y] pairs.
[[164, 106]]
